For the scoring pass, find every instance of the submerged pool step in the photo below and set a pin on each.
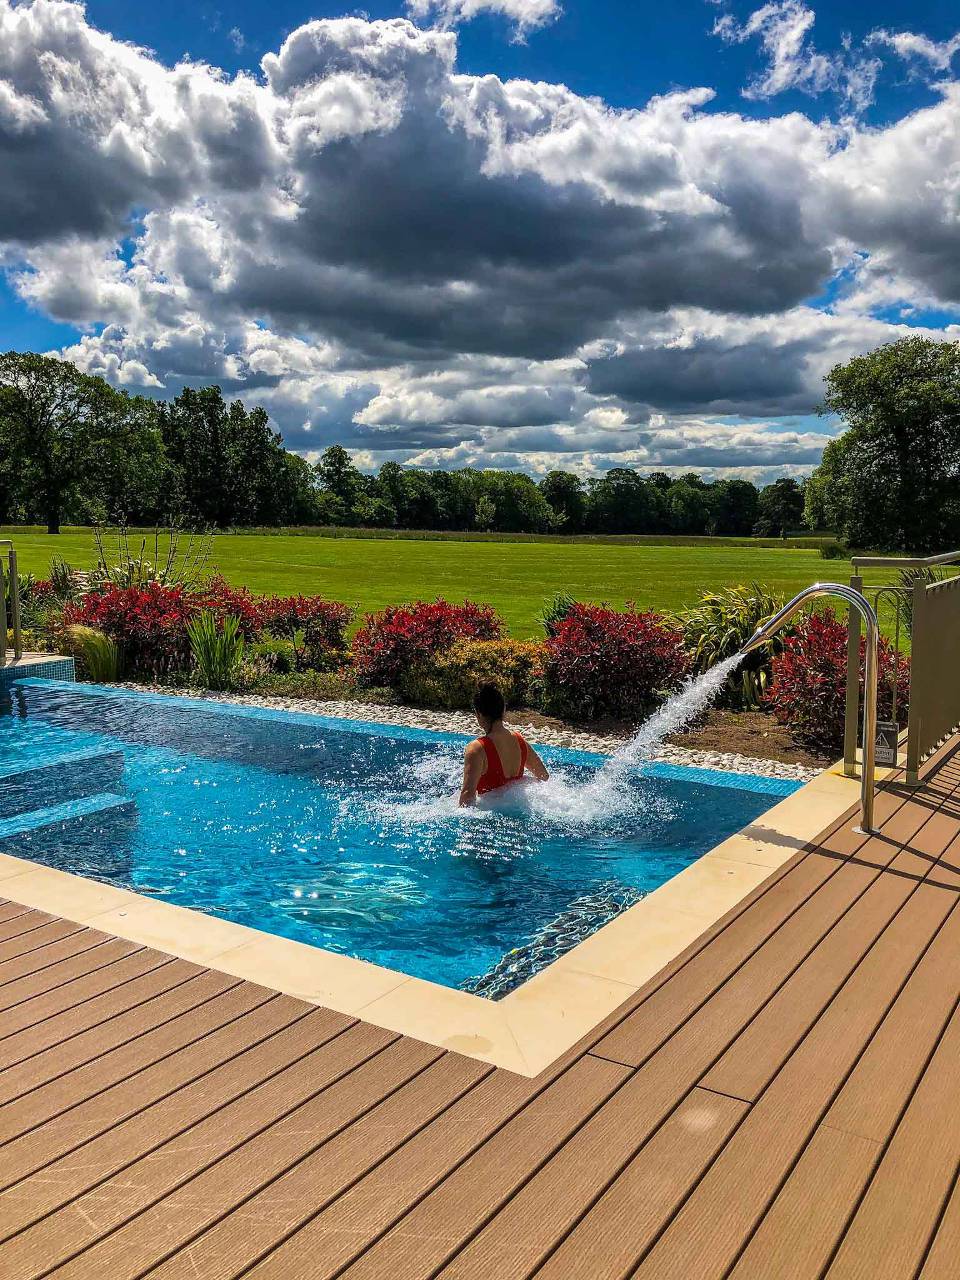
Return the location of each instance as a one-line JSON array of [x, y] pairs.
[[70, 776], [56, 817]]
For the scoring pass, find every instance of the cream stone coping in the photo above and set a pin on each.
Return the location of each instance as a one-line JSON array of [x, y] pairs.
[[526, 1030]]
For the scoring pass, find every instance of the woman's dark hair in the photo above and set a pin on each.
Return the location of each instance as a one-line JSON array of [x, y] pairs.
[[488, 702]]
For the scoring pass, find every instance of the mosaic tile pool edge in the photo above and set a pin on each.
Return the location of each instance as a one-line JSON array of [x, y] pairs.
[[56, 668], [677, 772]]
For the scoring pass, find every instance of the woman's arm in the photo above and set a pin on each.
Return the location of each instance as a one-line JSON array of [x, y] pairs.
[[474, 767], [535, 765]]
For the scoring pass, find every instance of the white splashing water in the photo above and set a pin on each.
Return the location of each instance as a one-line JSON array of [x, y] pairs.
[[606, 792], [564, 800], [694, 696]]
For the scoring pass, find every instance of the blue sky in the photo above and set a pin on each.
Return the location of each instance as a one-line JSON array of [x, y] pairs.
[[497, 232]]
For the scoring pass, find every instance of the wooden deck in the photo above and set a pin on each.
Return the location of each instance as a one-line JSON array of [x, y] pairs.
[[783, 1101]]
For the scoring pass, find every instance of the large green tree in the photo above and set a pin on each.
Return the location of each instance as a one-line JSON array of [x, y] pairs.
[[892, 480], [231, 467], [564, 492], [621, 501], [74, 446], [779, 508]]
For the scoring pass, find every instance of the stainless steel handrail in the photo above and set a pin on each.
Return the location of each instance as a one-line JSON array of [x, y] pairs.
[[905, 562], [863, 606]]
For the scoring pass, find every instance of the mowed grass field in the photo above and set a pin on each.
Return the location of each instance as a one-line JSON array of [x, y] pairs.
[[517, 578]]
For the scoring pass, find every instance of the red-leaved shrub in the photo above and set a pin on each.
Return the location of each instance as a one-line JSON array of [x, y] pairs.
[[395, 640], [319, 628], [809, 682], [324, 622], [599, 662], [149, 623], [218, 597]]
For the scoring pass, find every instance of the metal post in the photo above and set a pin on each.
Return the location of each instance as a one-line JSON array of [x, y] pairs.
[[15, 606], [851, 724]]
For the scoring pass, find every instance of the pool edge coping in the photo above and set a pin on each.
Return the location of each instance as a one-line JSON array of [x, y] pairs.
[[528, 1029]]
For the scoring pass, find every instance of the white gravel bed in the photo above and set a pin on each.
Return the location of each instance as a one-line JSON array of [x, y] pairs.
[[464, 722]]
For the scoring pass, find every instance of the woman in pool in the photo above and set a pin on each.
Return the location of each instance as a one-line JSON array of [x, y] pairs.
[[499, 757]]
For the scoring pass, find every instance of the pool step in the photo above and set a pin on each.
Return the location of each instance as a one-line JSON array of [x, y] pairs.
[[71, 776], [58, 817]]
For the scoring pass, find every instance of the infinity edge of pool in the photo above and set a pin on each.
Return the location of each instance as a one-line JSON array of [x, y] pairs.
[[526, 1030]]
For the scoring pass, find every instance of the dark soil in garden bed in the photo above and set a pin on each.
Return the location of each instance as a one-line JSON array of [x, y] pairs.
[[748, 733], [745, 733]]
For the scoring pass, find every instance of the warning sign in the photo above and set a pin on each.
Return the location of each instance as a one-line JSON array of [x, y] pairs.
[[886, 751]]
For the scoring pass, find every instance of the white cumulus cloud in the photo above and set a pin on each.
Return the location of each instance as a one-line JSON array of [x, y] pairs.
[[424, 264]]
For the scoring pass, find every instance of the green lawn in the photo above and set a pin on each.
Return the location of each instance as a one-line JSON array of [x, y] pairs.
[[515, 577]]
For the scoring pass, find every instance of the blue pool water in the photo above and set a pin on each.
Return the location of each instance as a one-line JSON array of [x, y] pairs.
[[346, 835]]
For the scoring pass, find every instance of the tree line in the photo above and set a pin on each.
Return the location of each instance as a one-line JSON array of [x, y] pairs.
[[73, 448]]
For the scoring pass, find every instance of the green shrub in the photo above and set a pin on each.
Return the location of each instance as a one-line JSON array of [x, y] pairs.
[[217, 646], [834, 551], [719, 626], [555, 612], [449, 679], [33, 641], [276, 655], [322, 686], [98, 654]]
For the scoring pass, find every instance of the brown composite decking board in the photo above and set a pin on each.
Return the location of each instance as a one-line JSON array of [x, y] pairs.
[[59, 1162], [16, 923], [169, 992], [74, 942], [114, 967], [27, 941], [781, 1102], [10, 910], [56, 1117]]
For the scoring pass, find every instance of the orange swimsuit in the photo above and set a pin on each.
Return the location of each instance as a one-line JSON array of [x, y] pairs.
[[495, 777]]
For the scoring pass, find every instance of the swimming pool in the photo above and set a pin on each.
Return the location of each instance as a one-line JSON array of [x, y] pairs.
[[345, 834]]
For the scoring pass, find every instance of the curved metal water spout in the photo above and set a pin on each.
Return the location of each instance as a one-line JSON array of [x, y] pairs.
[[866, 611]]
